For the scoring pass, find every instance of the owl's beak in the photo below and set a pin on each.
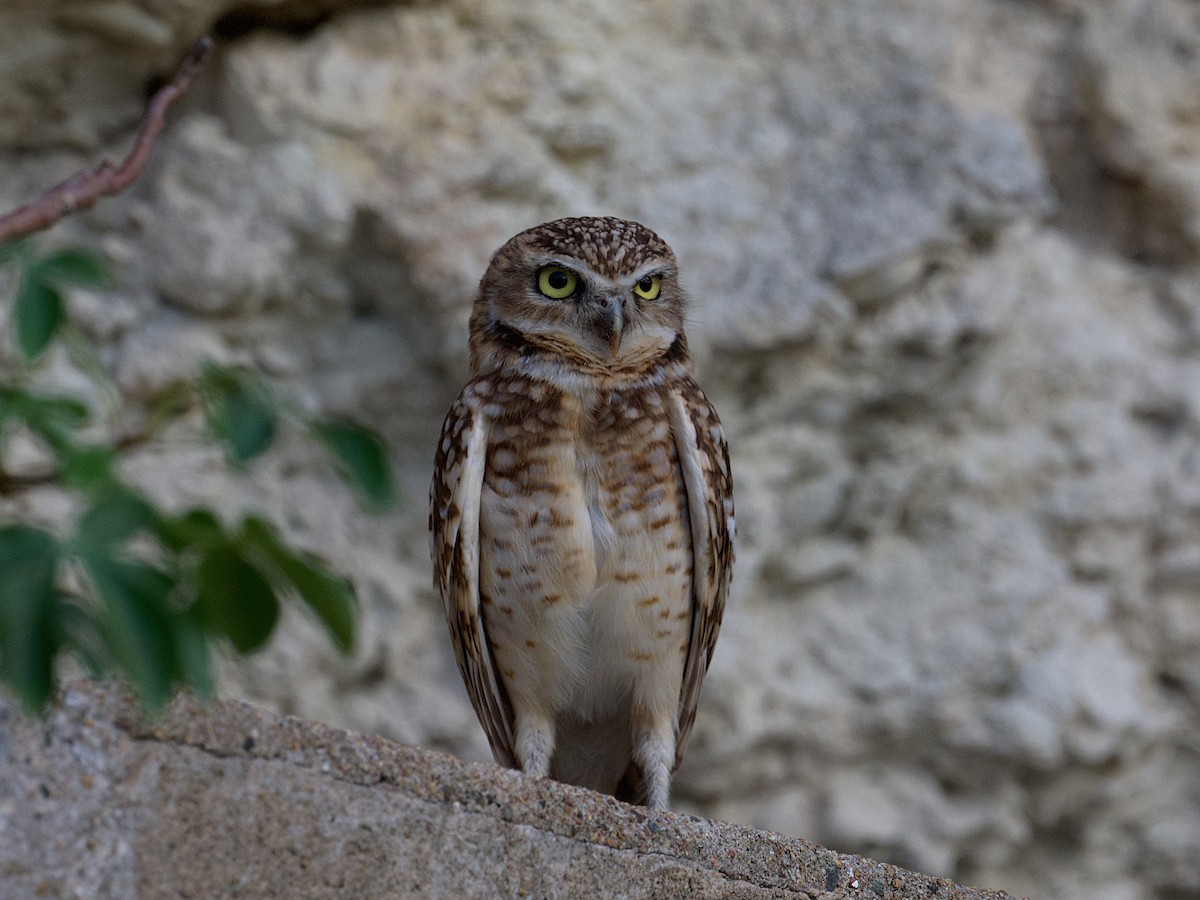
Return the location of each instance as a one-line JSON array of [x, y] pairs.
[[612, 322]]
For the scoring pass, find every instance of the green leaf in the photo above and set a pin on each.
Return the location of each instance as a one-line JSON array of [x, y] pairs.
[[75, 265], [50, 416], [155, 645], [233, 598], [83, 634], [170, 403], [85, 356], [57, 409], [139, 623], [362, 458], [9, 403], [240, 413], [13, 250], [330, 597], [28, 606], [197, 528], [246, 425], [192, 652], [38, 312], [114, 517], [88, 469]]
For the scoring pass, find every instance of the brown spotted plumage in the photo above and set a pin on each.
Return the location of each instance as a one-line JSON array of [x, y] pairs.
[[581, 512]]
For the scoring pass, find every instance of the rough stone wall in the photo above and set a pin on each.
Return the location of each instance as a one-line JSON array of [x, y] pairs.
[[944, 259], [229, 801]]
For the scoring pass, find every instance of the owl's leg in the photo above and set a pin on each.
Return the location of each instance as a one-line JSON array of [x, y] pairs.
[[654, 754], [534, 743]]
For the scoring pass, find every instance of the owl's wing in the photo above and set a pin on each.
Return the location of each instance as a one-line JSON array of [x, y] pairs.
[[704, 459], [454, 500]]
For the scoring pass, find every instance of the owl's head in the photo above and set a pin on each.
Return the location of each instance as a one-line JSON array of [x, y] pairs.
[[601, 292]]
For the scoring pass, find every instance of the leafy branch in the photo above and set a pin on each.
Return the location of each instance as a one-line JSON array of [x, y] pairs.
[[130, 587], [126, 586]]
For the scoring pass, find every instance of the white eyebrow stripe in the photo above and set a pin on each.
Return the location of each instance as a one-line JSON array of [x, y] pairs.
[[655, 268], [583, 270]]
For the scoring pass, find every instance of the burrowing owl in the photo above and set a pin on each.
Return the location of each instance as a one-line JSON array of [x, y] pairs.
[[581, 512]]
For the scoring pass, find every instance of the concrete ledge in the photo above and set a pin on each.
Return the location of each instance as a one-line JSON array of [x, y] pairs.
[[225, 800]]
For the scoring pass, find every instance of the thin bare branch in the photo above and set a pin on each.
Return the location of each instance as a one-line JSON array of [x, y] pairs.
[[83, 189]]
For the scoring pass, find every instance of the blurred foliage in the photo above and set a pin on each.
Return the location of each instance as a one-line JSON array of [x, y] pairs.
[[129, 587]]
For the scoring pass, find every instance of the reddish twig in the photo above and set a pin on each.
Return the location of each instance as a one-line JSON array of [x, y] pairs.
[[84, 188]]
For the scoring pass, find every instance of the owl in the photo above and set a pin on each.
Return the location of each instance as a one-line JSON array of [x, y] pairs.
[[581, 511]]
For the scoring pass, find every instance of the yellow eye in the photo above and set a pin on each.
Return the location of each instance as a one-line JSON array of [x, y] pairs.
[[556, 282], [648, 287]]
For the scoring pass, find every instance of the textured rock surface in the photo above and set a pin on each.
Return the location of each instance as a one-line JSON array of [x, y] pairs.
[[945, 261], [230, 801]]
